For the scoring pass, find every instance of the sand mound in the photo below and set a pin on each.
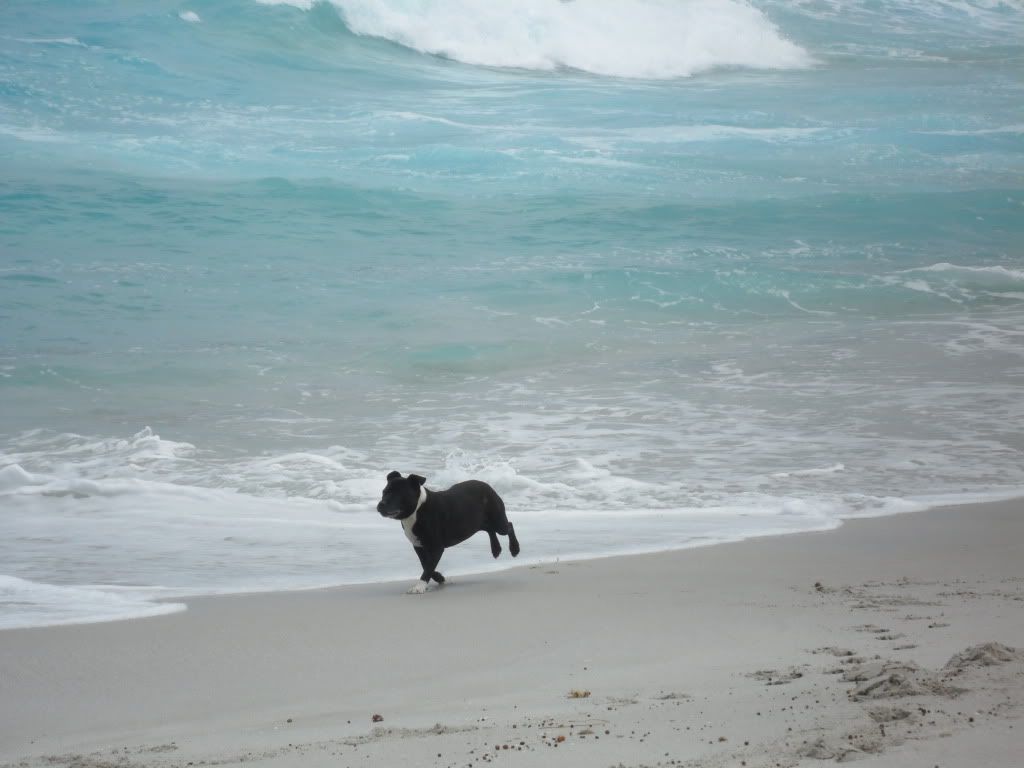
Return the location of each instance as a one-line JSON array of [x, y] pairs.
[[983, 655], [896, 679]]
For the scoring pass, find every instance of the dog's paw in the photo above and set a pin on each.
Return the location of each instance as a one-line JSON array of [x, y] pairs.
[[417, 589]]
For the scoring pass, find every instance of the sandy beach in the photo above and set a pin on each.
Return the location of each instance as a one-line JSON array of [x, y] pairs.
[[715, 295], [893, 641]]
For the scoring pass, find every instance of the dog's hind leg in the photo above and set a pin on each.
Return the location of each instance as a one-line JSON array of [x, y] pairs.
[[505, 529], [500, 524], [513, 542], [495, 546]]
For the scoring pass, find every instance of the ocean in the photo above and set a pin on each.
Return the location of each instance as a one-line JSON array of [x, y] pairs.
[[665, 273]]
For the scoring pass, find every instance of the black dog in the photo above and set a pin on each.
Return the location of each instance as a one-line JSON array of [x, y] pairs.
[[434, 520]]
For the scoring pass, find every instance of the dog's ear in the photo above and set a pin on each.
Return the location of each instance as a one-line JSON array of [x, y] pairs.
[[417, 479], [393, 475]]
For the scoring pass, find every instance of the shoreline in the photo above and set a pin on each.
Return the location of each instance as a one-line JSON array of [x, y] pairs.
[[677, 649], [177, 602]]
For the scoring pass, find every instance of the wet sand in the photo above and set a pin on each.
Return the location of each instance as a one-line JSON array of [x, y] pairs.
[[894, 641]]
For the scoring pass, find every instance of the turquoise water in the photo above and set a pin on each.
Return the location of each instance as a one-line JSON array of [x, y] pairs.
[[664, 273]]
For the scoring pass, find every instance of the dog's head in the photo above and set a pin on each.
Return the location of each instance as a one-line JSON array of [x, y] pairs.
[[401, 495]]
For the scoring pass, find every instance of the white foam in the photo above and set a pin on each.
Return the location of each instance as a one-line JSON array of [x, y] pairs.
[[189, 16], [913, 16], [1003, 129], [25, 603], [72, 41], [644, 39], [829, 470], [586, 475], [41, 134], [783, 294], [922, 286], [714, 132], [13, 477], [996, 270]]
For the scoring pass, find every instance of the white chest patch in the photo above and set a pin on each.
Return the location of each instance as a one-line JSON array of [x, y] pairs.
[[410, 521], [407, 525]]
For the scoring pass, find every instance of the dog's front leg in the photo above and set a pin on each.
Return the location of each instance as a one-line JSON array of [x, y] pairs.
[[429, 558]]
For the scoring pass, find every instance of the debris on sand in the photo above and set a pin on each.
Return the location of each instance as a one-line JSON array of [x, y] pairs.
[[777, 677], [889, 714]]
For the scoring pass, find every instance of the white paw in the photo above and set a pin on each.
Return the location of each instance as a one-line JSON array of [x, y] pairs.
[[418, 588]]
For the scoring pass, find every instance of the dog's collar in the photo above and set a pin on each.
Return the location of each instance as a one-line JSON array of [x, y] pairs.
[[422, 501]]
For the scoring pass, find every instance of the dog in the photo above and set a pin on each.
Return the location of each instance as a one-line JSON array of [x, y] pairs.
[[435, 520]]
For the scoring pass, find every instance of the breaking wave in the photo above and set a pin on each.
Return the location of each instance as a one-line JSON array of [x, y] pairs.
[[655, 39]]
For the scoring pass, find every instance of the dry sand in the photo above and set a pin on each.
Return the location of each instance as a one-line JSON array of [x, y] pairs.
[[890, 641]]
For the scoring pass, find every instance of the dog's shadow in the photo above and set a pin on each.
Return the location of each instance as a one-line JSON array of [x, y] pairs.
[[477, 584]]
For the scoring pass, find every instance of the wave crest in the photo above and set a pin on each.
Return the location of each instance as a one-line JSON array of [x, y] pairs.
[[656, 39]]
